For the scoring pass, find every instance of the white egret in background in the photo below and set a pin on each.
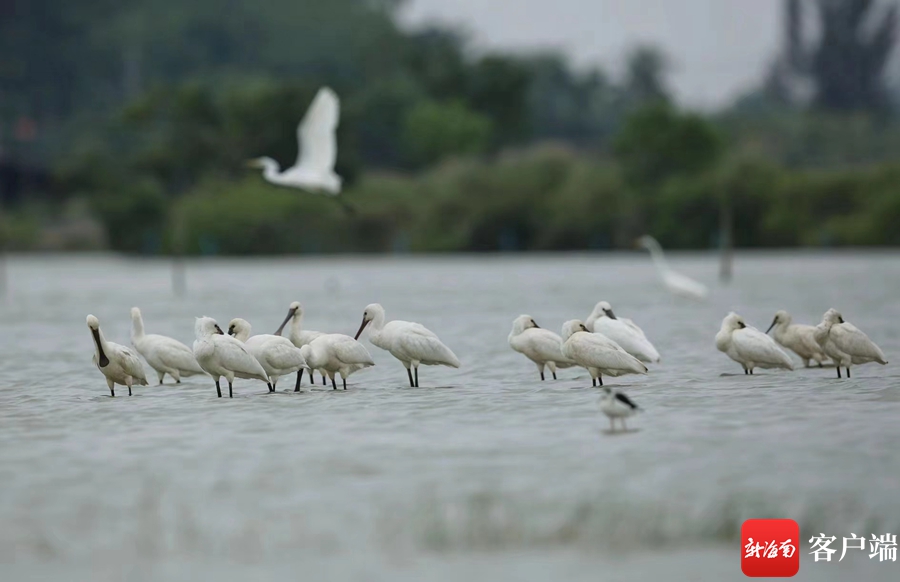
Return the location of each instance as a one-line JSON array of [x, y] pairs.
[[299, 337], [623, 331], [541, 346], [411, 343], [336, 353], [750, 347], [119, 364], [800, 339], [616, 405], [278, 356], [844, 343], [164, 354], [597, 353], [674, 281], [222, 355]]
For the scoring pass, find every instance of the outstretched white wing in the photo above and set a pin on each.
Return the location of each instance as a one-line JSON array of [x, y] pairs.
[[316, 135]]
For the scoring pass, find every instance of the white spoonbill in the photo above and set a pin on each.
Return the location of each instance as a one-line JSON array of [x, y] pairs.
[[336, 353], [750, 347], [845, 343], [119, 364], [164, 354], [541, 346], [674, 281], [616, 405], [299, 337], [411, 343], [222, 355], [800, 339], [317, 143], [598, 354], [623, 331], [277, 355]]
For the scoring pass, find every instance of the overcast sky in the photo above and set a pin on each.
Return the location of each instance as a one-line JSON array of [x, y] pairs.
[[719, 47]]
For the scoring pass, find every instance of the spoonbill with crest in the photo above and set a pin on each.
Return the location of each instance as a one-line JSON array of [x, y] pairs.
[[750, 347], [119, 364], [846, 344], [411, 343], [541, 346], [674, 281], [623, 331], [277, 355], [800, 339], [164, 354], [336, 353], [299, 337], [222, 355], [597, 353]]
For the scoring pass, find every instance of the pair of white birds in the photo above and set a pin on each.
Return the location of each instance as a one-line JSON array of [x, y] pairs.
[[266, 357], [833, 338]]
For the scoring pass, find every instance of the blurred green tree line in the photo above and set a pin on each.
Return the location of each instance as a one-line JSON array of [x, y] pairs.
[[147, 111]]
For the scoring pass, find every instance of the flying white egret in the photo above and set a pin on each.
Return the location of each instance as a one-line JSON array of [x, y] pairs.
[[222, 355], [541, 346], [277, 355], [844, 343], [750, 347], [336, 353], [800, 339], [597, 353], [623, 331], [164, 354], [411, 343], [674, 281], [119, 364]]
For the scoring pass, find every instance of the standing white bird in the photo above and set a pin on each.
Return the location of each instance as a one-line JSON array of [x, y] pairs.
[[336, 353], [800, 339], [845, 343], [317, 143], [750, 347], [299, 337], [278, 356], [411, 343], [541, 346], [674, 281], [164, 354], [623, 331], [597, 353], [222, 355], [616, 405], [119, 364]]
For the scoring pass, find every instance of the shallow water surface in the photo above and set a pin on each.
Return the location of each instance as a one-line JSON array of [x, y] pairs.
[[484, 472]]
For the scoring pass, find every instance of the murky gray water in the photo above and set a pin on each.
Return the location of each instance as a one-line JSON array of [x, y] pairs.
[[483, 472]]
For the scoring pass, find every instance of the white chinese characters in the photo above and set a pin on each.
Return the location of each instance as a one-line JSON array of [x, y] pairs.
[[769, 550], [883, 547]]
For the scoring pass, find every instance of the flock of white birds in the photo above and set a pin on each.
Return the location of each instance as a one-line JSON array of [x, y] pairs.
[[603, 344]]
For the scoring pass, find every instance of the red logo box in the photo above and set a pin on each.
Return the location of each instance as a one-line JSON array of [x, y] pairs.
[[770, 548]]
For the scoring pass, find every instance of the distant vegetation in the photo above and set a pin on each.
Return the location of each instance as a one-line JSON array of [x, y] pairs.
[[145, 112]]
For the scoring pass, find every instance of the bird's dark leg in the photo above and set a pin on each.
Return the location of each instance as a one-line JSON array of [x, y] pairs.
[[129, 387], [751, 371], [112, 391], [178, 381], [593, 382], [411, 383], [417, 376], [230, 393], [600, 380], [839, 370], [300, 377], [554, 376], [324, 381], [542, 375], [333, 385], [344, 380], [271, 388], [746, 371], [848, 371], [218, 389]]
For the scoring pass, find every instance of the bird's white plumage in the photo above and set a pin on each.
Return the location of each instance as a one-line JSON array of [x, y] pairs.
[[116, 362], [597, 353], [541, 346], [164, 354], [298, 336], [750, 347], [337, 354], [845, 343], [317, 145], [411, 343], [624, 332], [221, 355], [796, 337], [675, 282], [277, 355]]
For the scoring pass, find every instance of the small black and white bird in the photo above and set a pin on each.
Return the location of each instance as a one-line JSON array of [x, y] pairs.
[[616, 405]]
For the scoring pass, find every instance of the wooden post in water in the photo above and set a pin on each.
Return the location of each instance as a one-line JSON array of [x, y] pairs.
[[726, 242]]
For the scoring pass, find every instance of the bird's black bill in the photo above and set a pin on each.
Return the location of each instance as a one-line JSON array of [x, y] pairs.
[[610, 314], [774, 321], [219, 330], [102, 360], [362, 326], [741, 325], [231, 330], [286, 320]]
